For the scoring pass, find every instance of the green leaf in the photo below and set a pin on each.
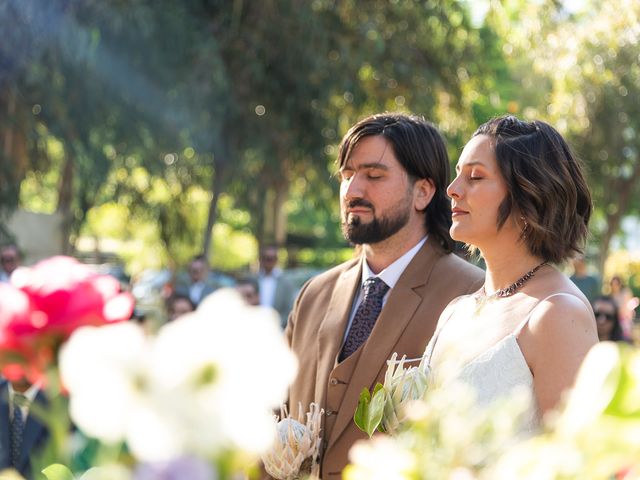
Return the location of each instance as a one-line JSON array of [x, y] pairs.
[[368, 416], [376, 410], [58, 471], [377, 388], [361, 412], [625, 402]]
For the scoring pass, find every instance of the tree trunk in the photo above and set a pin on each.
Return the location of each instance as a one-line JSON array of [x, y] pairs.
[[8, 133], [268, 233], [65, 198], [280, 213], [218, 182]]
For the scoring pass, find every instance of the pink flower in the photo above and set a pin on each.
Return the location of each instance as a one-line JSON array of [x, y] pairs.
[[44, 304]]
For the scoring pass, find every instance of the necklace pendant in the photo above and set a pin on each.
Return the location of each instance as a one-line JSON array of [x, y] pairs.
[[481, 302]]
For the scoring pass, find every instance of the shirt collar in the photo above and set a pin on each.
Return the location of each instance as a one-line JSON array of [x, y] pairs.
[[275, 273], [391, 274], [30, 393]]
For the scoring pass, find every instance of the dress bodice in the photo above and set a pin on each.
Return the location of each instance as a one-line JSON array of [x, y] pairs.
[[502, 371], [498, 372]]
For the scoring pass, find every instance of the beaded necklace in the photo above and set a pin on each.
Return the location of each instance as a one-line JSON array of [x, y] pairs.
[[482, 298]]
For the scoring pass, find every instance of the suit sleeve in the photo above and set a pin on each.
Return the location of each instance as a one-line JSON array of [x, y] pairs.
[[293, 315]]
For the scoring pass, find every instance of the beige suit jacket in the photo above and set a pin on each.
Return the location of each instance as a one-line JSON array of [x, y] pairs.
[[408, 319]]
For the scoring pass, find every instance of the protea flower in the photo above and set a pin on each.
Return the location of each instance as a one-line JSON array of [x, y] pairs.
[[401, 386], [295, 449]]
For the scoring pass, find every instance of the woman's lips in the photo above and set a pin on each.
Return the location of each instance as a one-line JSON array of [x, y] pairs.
[[456, 212]]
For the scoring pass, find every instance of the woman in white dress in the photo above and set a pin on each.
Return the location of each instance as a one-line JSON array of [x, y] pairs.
[[520, 198]]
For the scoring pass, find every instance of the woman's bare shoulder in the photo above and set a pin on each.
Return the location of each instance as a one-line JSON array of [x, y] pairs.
[[562, 320]]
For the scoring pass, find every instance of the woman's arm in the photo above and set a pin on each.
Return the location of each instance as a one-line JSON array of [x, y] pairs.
[[558, 336]]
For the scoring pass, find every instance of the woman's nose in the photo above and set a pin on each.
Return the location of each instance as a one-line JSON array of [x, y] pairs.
[[453, 190]]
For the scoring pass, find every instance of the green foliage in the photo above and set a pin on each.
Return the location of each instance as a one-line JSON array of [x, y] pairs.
[[368, 415], [57, 471], [579, 72], [167, 108]]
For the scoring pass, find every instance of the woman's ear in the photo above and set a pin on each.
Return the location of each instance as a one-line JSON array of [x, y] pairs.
[[424, 190]]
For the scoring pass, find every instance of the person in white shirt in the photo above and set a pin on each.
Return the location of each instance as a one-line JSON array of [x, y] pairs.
[[276, 291], [198, 285], [9, 261]]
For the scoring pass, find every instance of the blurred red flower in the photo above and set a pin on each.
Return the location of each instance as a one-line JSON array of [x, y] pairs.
[[44, 304]]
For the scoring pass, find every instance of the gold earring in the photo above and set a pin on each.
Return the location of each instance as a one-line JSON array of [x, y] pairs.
[[525, 227]]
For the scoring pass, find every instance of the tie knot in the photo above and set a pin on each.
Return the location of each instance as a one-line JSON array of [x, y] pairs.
[[374, 286], [19, 400]]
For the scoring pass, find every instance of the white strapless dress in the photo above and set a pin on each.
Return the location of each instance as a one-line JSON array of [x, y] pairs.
[[498, 373]]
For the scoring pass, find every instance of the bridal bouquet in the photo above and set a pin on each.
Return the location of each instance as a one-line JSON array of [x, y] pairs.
[[596, 435], [384, 409]]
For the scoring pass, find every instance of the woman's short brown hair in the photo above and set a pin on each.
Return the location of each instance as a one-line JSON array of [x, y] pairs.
[[546, 186]]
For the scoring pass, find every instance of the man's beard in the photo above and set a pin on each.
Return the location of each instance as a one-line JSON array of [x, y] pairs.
[[376, 230]]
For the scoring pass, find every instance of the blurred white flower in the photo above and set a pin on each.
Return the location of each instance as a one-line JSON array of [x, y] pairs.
[[209, 381], [107, 472], [448, 435], [105, 371], [380, 458], [539, 459]]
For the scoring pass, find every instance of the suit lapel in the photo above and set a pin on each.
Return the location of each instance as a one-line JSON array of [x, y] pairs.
[[5, 445], [397, 313], [332, 328], [33, 430]]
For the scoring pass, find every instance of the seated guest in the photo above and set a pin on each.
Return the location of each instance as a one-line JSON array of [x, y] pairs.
[[9, 261], [21, 434], [276, 290], [249, 289], [178, 305], [626, 302], [199, 284], [606, 312], [588, 284]]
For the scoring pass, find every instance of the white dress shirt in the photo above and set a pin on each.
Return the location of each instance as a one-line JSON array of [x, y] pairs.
[[30, 394], [389, 275], [268, 285], [195, 292]]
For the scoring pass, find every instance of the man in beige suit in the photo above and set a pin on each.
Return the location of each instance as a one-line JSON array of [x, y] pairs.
[[394, 171]]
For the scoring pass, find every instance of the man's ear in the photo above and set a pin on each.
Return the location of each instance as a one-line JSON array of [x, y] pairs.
[[424, 190]]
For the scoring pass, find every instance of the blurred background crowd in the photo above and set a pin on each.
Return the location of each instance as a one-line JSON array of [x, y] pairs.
[[163, 295], [182, 146]]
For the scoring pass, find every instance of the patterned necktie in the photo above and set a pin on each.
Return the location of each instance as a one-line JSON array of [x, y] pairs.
[[17, 428], [365, 317]]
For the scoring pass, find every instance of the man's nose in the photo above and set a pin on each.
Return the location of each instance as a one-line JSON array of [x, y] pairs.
[[353, 187]]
